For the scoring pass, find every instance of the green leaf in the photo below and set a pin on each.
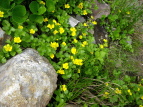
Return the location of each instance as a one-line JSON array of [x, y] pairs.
[[3, 60], [34, 6], [36, 18], [50, 5], [19, 14], [5, 4], [41, 10], [12, 53], [18, 1], [19, 10]]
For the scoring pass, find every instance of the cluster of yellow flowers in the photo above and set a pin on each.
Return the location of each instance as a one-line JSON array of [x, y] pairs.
[[105, 44], [8, 47], [129, 91], [73, 30], [84, 44]]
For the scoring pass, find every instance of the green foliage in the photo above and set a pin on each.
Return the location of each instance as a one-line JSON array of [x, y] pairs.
[[44, 26]]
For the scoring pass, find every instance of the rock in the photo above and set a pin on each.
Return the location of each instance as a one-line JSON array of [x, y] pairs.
[[3, 38], [80, 18], [27, 80], [73, 21], [103, 9]]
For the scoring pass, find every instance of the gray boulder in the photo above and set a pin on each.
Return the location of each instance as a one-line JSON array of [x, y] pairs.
[[103, 9], [27, 80]]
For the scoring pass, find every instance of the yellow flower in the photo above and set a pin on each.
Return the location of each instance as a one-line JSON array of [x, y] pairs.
[[73, 29], [140, 106], [78, 71], [42, 2], [84, 34], [1, 14], [71, 57], [84, 24], [61, 71], [32, 31], [54, 45], [63, 87], [80, 37], [91, 52], [20, 27], [106, 94], [73, 50], [8, 47], [50, 26], [101, 46], [105, 40], [117, 91], [84, 12], [142, 97], [85, 43], [106, 84], [61, 30], [94, 22], [63, 43], [52, 56], [119, 11], [54, 21], [92, 17], [78, 61], [128, 12], [80, 5], [138, 89], [55, 32], [75, 41], [17, 39], [129, 91], [45, 19], [66, 65], [57, 24], [73, 33], [67, 6]]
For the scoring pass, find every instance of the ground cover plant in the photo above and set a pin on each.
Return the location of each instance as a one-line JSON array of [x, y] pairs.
[[84, 77]]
